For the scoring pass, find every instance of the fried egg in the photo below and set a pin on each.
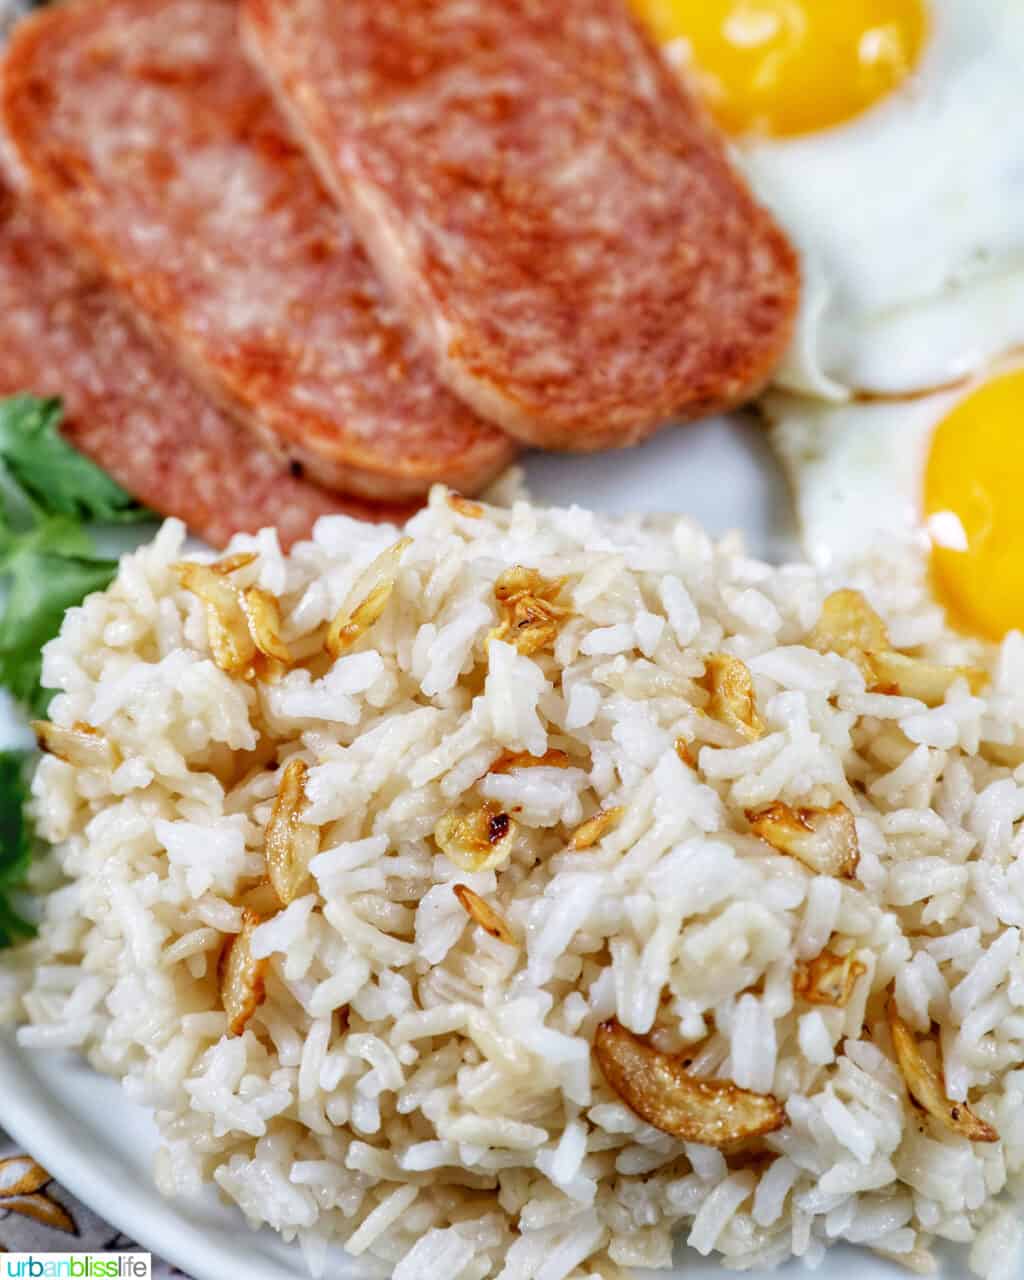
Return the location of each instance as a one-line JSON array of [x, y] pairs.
[[888, 138], [944, 471]]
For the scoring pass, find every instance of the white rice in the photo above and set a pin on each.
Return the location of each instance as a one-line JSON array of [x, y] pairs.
[[456, 1124]]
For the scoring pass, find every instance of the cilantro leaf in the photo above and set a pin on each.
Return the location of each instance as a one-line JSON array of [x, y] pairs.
[[53, 476], [17, 841], [49, 570], [48, 564]]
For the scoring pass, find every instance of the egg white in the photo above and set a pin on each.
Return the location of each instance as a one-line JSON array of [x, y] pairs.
[[910, 218], [857, 471]]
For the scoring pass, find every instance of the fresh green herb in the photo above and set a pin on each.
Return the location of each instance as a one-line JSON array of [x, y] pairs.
[[48, 561], [16, 844], [58, 479]]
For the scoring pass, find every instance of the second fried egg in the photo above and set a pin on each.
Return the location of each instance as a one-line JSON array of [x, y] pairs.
[[944, 471]]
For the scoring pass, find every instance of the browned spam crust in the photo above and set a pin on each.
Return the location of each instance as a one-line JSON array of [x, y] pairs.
[[151, 147], [131, 410], [556, 215]]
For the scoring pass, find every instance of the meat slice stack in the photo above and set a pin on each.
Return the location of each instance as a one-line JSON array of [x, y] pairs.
[[154, 150], [524, 226], [129, 407], [561, 223]]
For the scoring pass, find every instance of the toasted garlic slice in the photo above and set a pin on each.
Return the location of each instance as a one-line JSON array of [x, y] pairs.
[[263, 614], [228, 629], [371, 593], [588, 833], [509, 760], [81, 745], [531, 618], [231, 564], [848, 626], [827, 979], [917, 678], [715, 1113], [686, 753], [733, 701], [825, 840], [927, 1089], [241, 976], [290, 843], [483, 914], [477, 841], [465, 506]]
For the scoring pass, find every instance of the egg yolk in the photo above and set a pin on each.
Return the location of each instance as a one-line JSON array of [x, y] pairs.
[[974, 503], [786, 67]]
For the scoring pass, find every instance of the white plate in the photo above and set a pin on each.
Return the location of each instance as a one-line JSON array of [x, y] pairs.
[[81, 1127]]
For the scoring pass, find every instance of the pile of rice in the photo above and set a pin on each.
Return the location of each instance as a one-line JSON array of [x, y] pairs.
[[428, 1093]]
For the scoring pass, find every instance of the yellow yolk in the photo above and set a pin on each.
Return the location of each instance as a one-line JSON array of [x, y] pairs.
[[787, 67], [974, 503]]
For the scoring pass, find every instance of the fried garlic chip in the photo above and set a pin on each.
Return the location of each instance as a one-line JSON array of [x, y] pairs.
[[241, 976], [483, 914], [465, 507], [827, 979], [825, 840], [263, 614], [231, 564], [509, 760], [81, 745], [929, 682], [370, 595], [850, 627], [588, 833], [686, 752], [926, 1087], [531, 617], [733, 701], [289, 842], [477, 841], [231, 642], [653, 1084]]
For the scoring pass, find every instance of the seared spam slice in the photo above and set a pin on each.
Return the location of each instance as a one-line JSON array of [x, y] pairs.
[[555, 214], [130, 409], [150, 145]]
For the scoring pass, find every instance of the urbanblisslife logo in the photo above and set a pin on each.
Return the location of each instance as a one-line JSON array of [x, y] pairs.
[[76, 1266]]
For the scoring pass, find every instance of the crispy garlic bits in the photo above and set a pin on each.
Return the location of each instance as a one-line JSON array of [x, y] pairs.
[[655, 1085], [849, 626], [825, 840], [367, 600], [588, 833], [732, 699], [687, 752], [531, 616], [925, 1085], [482, 913], [243, 624], [509, 760], [290, 843], [828, 979], [81, 745], [465, 506], [241, 976], [480, 840]]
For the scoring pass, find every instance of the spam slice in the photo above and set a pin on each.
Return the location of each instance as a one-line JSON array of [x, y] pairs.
[[153, 149], [130, 409], [556, 216]]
